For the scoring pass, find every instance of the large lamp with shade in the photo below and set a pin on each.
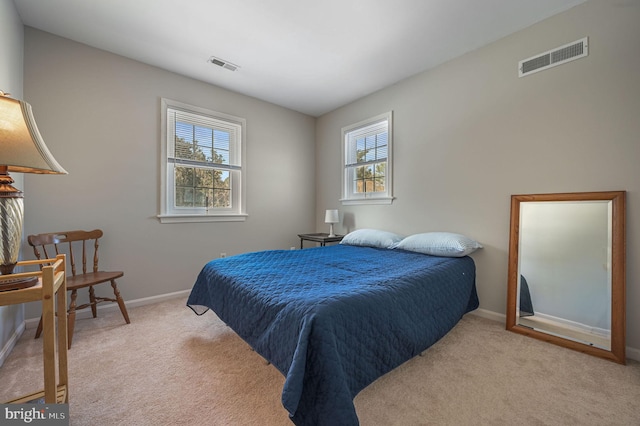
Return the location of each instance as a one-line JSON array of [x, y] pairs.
[[22, 150], [331, 217]]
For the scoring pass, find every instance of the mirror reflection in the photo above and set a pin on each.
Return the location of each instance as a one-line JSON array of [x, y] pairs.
[[565, 269]]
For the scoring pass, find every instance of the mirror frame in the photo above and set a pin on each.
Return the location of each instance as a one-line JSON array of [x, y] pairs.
[[618, 273]]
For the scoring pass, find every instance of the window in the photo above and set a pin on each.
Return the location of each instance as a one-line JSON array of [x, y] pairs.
[[367, 161], [203, 165]]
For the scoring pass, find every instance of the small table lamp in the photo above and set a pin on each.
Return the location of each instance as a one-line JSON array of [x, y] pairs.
[[22, 150], [331, 217]]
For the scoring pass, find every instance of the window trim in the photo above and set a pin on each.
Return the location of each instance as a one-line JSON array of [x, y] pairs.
[[348, 197], [167, 213]]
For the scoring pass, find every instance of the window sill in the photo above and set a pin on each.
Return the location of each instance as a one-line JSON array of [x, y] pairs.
[[358, 201], [196, 218]]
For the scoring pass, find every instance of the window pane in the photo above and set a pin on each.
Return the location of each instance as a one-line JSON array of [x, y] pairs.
[[370, 154], [368, 185], [184, 176], [220, 156], [370, 148], [382, 138], [200, 197], [221, 139], [184, 197], [222, 180], [369, 178], [208, 194], [358, 186], [371, 142], [222, 198], [199, 187], [379, 179], [184, 141], [203, 141], [361, 150], [221, 146], [381, 152], [203, 178], [368, 171], [183, 149]]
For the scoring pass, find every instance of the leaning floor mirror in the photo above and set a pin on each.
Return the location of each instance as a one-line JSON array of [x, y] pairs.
[[566, 282]]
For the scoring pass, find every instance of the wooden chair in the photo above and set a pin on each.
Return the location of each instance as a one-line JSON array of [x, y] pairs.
[[78, 245]]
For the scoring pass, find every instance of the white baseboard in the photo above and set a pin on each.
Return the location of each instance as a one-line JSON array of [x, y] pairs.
[[494, 316], [107, 307], [631, 353], [11, 343], [573, 325]]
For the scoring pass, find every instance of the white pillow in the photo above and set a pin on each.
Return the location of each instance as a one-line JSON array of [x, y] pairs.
[[439, 244], [371, 238]]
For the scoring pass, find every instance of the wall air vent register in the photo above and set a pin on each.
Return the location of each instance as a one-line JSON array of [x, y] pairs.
[[223, 63], [561, 55]]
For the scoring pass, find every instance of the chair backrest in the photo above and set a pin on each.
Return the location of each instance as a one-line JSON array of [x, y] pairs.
[[75, 244]]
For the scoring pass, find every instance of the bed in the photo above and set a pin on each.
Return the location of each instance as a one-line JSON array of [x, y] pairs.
[[333, 319]]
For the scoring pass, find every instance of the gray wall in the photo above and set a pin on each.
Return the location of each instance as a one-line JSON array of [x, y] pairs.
[[11, 70], [99, 114], [470, 133]]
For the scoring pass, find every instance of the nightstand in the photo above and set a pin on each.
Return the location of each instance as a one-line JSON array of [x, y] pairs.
[[322, 238]]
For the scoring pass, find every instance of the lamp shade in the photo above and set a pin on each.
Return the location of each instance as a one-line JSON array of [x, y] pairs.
[[21, 150], [21, 146], [331, 216]]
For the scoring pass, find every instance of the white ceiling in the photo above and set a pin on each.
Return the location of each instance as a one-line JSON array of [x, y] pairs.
[[310, 56]]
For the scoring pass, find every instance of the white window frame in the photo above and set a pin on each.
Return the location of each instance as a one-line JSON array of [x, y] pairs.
[[171, 214], [349, 134]]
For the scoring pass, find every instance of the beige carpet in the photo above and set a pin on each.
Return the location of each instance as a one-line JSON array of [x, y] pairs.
[[171, 367]]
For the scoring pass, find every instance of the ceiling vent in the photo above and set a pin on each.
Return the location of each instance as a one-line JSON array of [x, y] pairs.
[[222, 63], [563, 54]]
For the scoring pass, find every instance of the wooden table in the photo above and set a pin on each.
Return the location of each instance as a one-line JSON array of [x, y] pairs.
[[52, 282], [322, 238]]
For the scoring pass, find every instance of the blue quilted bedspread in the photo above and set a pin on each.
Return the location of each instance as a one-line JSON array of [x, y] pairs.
[[333, 319]]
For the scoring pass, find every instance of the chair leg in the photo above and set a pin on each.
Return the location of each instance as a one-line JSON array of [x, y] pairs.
[[39, 329], [71, 316], [92, 300], [121, 304]]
